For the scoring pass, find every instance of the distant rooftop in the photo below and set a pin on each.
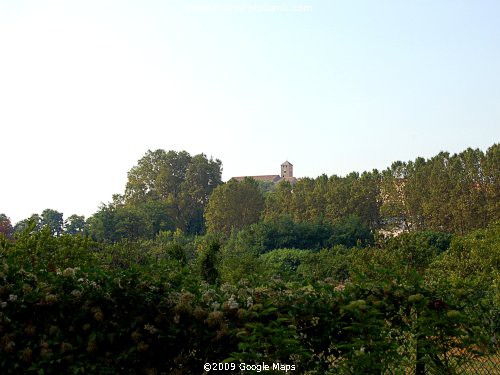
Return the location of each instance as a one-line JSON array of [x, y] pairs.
[[264, 178], [286, 175]]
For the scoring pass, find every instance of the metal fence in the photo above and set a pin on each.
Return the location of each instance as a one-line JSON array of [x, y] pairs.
[[465, 363]]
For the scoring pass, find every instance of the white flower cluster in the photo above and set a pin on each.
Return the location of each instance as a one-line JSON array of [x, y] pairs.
[[249, 302], [150, 328], [93, 284], [232, 304]]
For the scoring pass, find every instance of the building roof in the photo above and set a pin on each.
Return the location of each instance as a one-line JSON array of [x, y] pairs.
[[264, 178], [274, 178]]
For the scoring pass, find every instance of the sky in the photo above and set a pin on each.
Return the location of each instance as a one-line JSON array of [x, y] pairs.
[[87, 87]]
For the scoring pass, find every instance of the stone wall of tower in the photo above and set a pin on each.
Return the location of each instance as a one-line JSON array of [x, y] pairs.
[[286, 170]]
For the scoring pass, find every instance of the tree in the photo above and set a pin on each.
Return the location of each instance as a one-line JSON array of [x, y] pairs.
[[102, 224], [6, 226], [201, 178], [233, 206], [437, 207], [177, 180], [54, 220], [156, 216], [158, 175], [403, 188], [492, 182], [278, 201], [23, 224], [114, 222], [74, 224], [468, 196]]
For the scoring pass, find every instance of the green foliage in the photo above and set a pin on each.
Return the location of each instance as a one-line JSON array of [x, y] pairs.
[[284, 233], [270, 235], [233, 206], [282, 263], [269, 335], [239, 261], [53, 220], [332, 199], [266, 187], [23, 224], [418, 249], [164, 191], [208, 263], [6, 228], [117, 221], [328, 264], [472, 262], [451, 193], [446, 193], [351, 232], [182, 181], [305, 286], [69, 305], [74, 224]]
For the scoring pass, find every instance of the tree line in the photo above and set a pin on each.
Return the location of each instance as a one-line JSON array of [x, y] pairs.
[[449, 193], [169, 191]]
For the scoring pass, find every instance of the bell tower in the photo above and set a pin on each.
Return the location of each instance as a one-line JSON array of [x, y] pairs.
[[286, 169]]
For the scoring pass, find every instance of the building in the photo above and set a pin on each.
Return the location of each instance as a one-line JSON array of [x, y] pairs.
[[286, 175]]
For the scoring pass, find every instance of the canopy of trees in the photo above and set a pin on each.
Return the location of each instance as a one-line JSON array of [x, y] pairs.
[[169, 190], [233, 206], [164, 191], [451, 193]]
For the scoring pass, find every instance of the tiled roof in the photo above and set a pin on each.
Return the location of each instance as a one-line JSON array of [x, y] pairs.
[[270, 178]]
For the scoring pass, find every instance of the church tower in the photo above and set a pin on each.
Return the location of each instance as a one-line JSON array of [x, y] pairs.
[[286, 169]]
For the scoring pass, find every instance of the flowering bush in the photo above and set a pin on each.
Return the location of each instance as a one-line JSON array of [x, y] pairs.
[[70, 306]]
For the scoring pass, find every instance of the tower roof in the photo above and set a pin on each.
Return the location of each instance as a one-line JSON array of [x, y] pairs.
[[287, 163]]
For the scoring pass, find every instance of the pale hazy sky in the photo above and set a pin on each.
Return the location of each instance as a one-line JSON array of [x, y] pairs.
[[87, 87]]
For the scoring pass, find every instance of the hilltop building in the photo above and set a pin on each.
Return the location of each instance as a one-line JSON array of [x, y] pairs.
[[286, 175]]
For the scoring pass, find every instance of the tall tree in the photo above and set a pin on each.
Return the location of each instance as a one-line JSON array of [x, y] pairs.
[[54, 220], [468, 195], [23, 224], [202, 177], [234, 205], [491, 169], [6, 226], [158, 175], [177, 180], [74, 224], [278, 202], [437, 206]]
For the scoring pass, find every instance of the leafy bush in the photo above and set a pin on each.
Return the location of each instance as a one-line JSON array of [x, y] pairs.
[[418, 249], [334, 264], [283, 263], [151, 314], [283, 233]]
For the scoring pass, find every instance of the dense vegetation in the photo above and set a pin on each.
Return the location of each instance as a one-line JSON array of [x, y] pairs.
[[172, 190], [182, 269]]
